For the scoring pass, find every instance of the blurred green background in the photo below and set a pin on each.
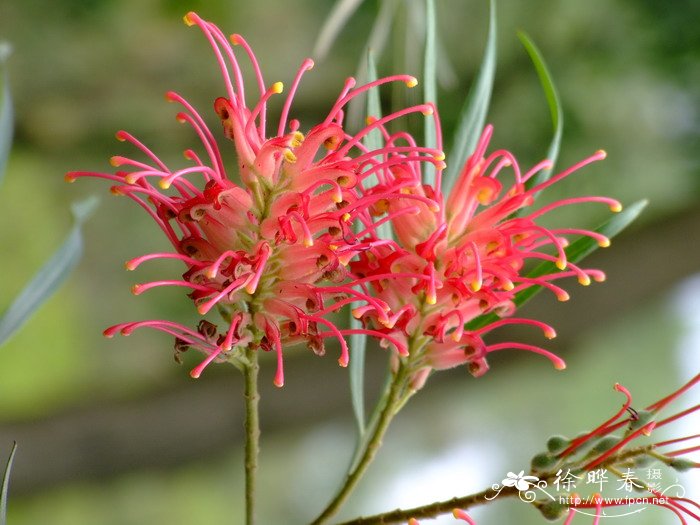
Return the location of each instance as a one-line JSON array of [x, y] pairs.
[[114, 432]]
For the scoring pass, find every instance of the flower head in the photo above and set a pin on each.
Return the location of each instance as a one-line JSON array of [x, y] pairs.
[[468, 257], [267, 247]]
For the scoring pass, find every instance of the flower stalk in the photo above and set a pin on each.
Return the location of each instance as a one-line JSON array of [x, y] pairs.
[[397, 395], [252, 431]]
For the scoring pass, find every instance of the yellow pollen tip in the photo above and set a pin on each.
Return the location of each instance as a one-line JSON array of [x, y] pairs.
[[434, 207], [277, 87], [456, 337], [412, 82], [431, 299], [164, 184], [439, 156], [475, 286], [188, 19], [604, 243], [427, 111], [584, 280], [549, 333], [120, 137], [297, 139], [308, 242], [278, 383], [616, 208], [332, 247], [115, 161], [69, 178], [136, 289], [563, 296], [561, 264], [130, 266], [235, 39], [343, 362], [370, 120], [440, 165], [289, 156], [508, 286], [601, 153], [130, 178], [560, 366], [346, 217], [116, 191], [337, 197], [356, 313]]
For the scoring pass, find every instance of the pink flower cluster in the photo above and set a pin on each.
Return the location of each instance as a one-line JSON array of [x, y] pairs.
[[293, 235], [466, 258]]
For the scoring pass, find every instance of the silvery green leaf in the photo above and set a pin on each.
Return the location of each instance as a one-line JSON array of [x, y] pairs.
[[550, 92], [5, 486], [6, 111], [473, 116], [50, 276]]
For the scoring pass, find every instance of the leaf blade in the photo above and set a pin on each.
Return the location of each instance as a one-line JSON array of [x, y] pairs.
[[5, 485], [6, 111], [429, 86], [473, 115], [50, 276], [553, 102]]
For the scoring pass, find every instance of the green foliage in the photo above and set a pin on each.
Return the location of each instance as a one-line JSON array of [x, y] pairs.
[[5, 486], [550, 92], [429, 85], [473, 116], [6, 112], [50, 276]]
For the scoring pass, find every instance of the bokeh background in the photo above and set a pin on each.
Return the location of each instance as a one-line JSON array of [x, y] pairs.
[[113, 432]]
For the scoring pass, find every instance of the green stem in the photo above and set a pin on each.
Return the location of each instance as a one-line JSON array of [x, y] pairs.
[[252, 431], [394, 399]]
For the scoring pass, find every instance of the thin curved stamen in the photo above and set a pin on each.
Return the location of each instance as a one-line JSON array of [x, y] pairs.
[[192, 18], [341, 102], [557, 361], [138, 289], [306, 65], [134, 263], [236, 285], [123, 136]]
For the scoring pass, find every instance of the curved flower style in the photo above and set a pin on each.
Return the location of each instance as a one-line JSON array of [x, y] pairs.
[[259, 251], [466, 259]]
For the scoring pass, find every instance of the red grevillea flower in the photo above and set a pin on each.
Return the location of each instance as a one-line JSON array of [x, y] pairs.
[[261, 250], [602, 449], [467, 258]]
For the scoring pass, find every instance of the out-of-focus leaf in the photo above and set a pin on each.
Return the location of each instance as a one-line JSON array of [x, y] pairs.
[[358, 342], [341, 12], [429, 85], [575, 252], [473, 116], [5, 486], [6, 112], [50, 276], [550, 92]]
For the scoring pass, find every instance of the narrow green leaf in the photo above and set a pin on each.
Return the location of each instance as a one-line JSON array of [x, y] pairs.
[[6, 111], [339, 15], [575, 252], [429, 86], [50, 276], [358, 342], [5, 486], [550, 92], [473, 116]]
